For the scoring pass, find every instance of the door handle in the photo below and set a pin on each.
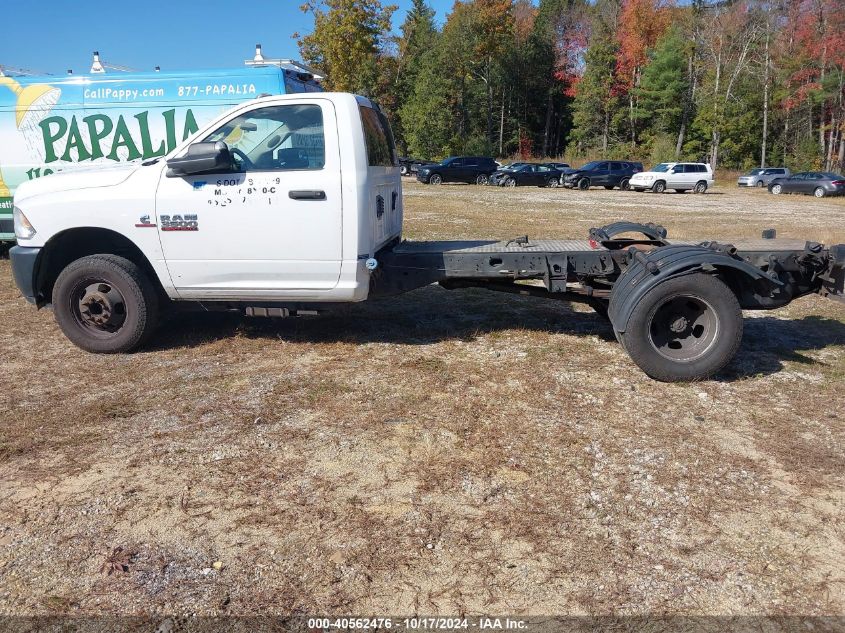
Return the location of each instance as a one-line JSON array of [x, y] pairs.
[[307, 195]]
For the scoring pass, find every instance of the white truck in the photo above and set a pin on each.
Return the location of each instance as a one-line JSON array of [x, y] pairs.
[[287, 205]]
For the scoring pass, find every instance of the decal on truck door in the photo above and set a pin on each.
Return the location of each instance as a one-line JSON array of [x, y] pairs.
[[179, 223]]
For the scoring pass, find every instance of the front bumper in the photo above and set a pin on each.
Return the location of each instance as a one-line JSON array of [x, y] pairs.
[[745, 182], [423, 177], [23, 260]]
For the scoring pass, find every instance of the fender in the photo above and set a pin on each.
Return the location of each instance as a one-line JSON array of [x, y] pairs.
[[648, 270]]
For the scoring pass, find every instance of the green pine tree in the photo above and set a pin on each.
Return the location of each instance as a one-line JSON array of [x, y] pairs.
[[663, 87]]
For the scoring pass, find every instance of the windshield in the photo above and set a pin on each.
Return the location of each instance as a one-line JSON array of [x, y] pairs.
[[662, 167], [591, 165], [756, 172]]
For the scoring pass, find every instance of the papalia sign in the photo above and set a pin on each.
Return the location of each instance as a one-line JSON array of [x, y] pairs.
[[101, 136]]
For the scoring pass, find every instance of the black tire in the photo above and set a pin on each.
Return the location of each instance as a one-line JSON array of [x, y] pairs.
[[625, 184], [105, 304], [403, 170], [599, 306], [481, 179], [659, 187], [760, 184], [584, 184], [686, 328], [435, 179], [700, 187], [819, 192], [510, 182], [552, 183]]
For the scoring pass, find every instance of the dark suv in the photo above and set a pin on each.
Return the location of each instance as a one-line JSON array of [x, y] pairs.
[[603, 173], [458, 169]]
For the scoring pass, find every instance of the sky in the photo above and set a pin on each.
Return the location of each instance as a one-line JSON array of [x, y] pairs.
[[51, 36]]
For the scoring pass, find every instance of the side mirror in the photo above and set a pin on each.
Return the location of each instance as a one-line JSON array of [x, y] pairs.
[[672, 171], [200, 158]]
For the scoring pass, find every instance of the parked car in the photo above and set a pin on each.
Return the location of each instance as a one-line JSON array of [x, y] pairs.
[[817, 183], [536, 174], [603, 173], [410, 166], [762, 176], [678, 176], [458, 169]]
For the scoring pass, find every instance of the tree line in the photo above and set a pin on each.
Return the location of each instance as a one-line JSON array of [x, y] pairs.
[[736, 83]]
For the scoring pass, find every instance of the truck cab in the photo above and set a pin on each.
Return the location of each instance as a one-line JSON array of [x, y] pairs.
[[284, 198]]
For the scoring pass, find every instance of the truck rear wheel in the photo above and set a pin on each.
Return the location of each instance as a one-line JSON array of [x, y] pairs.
[[105, 304], [687, 328]]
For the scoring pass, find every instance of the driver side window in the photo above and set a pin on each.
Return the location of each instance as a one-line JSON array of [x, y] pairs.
[[275, 138]]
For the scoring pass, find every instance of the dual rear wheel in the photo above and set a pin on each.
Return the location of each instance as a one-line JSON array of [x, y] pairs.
[[686, 328]]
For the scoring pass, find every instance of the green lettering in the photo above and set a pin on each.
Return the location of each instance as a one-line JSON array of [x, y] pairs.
[[51, 137], [75, 141], [191, 126], [146, 140], [170, 128], [122, 138], [96, 134]]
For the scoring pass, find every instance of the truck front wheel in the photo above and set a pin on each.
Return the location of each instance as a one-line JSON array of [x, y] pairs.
[[687, 328], [105, 304]]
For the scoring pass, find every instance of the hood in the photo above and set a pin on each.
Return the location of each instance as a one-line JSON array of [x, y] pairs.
[[84, 178]]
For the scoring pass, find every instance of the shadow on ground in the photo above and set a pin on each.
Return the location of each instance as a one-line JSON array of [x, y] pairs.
[[432, 314]]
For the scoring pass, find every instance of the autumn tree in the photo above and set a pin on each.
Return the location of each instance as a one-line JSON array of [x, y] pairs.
[[347, 41]]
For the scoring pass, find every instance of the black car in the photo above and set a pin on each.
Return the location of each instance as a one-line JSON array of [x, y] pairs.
[[816, 183], [497, 176], [603, 173], [458, 169], [410, 166], [530, 174]]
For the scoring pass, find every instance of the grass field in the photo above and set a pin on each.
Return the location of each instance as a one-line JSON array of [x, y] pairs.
[[443, 452]]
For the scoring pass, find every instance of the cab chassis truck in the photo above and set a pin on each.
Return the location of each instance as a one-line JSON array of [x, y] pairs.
[[302, 210]]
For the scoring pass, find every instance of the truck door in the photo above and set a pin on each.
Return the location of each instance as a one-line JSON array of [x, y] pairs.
[[271, 223]]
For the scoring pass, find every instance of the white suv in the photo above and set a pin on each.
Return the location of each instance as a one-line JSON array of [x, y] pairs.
[[678, 176]]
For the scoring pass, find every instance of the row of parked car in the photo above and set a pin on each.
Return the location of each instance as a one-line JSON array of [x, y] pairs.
[[609, 174], [780, 180]]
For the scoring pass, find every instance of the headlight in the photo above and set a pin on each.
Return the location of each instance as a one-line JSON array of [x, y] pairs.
[[23, 229]]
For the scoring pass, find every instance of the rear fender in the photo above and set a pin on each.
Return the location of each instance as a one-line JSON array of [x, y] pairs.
[[752, 286]]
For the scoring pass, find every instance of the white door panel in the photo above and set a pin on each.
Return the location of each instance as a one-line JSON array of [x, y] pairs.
[[258, 229]]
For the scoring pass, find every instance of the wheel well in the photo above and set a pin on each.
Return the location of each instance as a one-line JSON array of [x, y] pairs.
[[73, 244]]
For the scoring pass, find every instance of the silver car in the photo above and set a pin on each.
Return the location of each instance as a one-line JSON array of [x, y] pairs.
[[762, 177]]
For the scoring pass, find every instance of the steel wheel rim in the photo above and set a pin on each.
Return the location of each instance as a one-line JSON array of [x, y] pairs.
[[683, 328], [481, 180], [435, 180], [819, 192], [98, 307], [776, 189], [511, 182], [700, 188]]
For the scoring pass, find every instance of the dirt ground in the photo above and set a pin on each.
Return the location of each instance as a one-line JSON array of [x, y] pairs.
[[443, 452]]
